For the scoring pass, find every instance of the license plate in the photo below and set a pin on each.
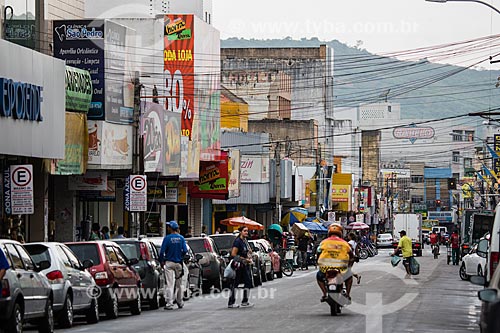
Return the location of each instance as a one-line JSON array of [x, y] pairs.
[[332, 287]]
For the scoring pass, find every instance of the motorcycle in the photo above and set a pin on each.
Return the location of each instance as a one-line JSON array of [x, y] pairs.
[[336, 292]]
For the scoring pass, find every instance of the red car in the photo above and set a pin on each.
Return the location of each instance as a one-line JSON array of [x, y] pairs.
[[118, 283]]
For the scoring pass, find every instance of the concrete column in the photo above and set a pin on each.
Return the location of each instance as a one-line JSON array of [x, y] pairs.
[[38, 226]]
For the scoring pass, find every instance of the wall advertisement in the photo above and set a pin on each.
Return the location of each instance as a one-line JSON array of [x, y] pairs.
[[179, 64], [110, 145], [78, 89], [99, 46], [76, 146], [214, 180], [254, 169]]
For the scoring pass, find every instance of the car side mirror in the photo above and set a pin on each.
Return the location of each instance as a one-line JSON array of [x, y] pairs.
[[133, 261], [87, 264], [199, 257], [487, 295], [44, 264], [224, 253], [187, 257]]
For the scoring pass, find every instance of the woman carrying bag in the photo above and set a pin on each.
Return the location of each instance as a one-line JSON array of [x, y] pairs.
[[241, 253]]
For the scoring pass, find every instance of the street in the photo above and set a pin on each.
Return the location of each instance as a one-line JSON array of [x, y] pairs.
[[434, 301]]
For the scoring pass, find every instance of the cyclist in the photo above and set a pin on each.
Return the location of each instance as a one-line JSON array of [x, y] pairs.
[[334, 252], [434, 239]]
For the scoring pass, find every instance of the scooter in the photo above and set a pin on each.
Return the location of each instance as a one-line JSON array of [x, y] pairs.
[[336, 292]]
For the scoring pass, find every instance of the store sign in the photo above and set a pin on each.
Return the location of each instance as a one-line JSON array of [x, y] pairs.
[[78, 89], [21, 189], [20, 100], [91, 181], [413, 132], [136, 193], [254, 169], [341, 193]]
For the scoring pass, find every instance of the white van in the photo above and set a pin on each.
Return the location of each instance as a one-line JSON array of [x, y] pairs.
[[494, 251], [440, 230]]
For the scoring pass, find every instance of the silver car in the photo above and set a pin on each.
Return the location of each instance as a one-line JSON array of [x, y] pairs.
[[72, 285]]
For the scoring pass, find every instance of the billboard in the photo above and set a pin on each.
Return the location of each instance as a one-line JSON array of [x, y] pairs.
[[179, 74], [76, 146], [99, 46], [109, 145], [78, 89], [207, 88], [214, 180]]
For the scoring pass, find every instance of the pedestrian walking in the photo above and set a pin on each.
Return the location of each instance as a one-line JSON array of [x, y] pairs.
[[405, 246], [4, 266], [242, 254], [455, 247], [120, 233], [302, 247], [173, 249]]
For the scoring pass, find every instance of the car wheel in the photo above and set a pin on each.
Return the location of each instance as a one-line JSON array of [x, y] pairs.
[[112, 306], [263, 275], [92, 314], [15, 322], [462, 273], [153, 301], [66, 316], [136, 306], [47, 323], [479, 271]]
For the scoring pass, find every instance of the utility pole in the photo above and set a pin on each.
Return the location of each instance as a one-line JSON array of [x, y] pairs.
[[319, 180], [277, 158], [136, 227]]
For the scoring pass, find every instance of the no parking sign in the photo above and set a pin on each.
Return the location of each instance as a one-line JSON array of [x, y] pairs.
[[136, 193]]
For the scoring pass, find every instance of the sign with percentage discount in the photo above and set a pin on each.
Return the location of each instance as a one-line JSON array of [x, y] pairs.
[[178, 57]]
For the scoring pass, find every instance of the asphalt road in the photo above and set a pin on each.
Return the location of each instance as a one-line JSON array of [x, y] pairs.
[[434, 301]]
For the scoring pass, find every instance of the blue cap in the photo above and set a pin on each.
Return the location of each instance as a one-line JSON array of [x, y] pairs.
[[172, 224]]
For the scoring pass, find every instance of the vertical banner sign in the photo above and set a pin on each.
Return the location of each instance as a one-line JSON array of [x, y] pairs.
[[496, 161], [136, 194], [6, 192], [178, 57], [21, 182]]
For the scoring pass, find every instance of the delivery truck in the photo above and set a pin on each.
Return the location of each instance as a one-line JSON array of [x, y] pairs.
[[412, 224]]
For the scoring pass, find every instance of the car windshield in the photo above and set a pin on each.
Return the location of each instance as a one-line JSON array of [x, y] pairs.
[[39, 253], [131, 250], [86, 252], [224, 242], [385, 236], [197, 245]]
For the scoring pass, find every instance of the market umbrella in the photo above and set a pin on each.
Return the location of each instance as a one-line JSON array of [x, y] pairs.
[[357, 226], [294, 215], [316, 220], [242, 221], [315, 228]]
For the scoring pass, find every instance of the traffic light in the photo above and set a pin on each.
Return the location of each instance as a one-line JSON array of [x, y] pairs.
[[452, 184], [438, 203]]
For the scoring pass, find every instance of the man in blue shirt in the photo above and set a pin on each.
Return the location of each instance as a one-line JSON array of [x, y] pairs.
[[172, 253], [4, 266]]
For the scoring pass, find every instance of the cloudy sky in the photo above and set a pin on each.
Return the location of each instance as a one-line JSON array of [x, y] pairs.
[[382, 25]]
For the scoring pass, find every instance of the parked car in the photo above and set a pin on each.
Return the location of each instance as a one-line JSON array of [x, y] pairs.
[[384, 240], [474, 263], [212, 263], [193, 281], [70, 282], [490, 297], [26, 292], [225, 243], [274, 258], [149, 268], [264, 264], [118, 282]]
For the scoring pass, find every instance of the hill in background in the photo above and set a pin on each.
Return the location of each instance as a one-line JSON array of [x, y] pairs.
[[425, 90]]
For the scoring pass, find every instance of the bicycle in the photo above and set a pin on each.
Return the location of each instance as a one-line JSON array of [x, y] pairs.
[[285, 267]]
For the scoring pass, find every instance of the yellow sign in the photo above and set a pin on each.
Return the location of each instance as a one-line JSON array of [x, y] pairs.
[[341, 193]]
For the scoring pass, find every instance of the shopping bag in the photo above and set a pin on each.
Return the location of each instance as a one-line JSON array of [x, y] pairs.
[[414, 266], [395, 261], [229, 272]]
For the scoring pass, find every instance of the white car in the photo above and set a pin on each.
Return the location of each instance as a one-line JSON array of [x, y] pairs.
[[384, 240], [473, 263]]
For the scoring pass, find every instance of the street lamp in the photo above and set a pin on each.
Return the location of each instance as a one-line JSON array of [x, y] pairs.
[[478, 1]]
